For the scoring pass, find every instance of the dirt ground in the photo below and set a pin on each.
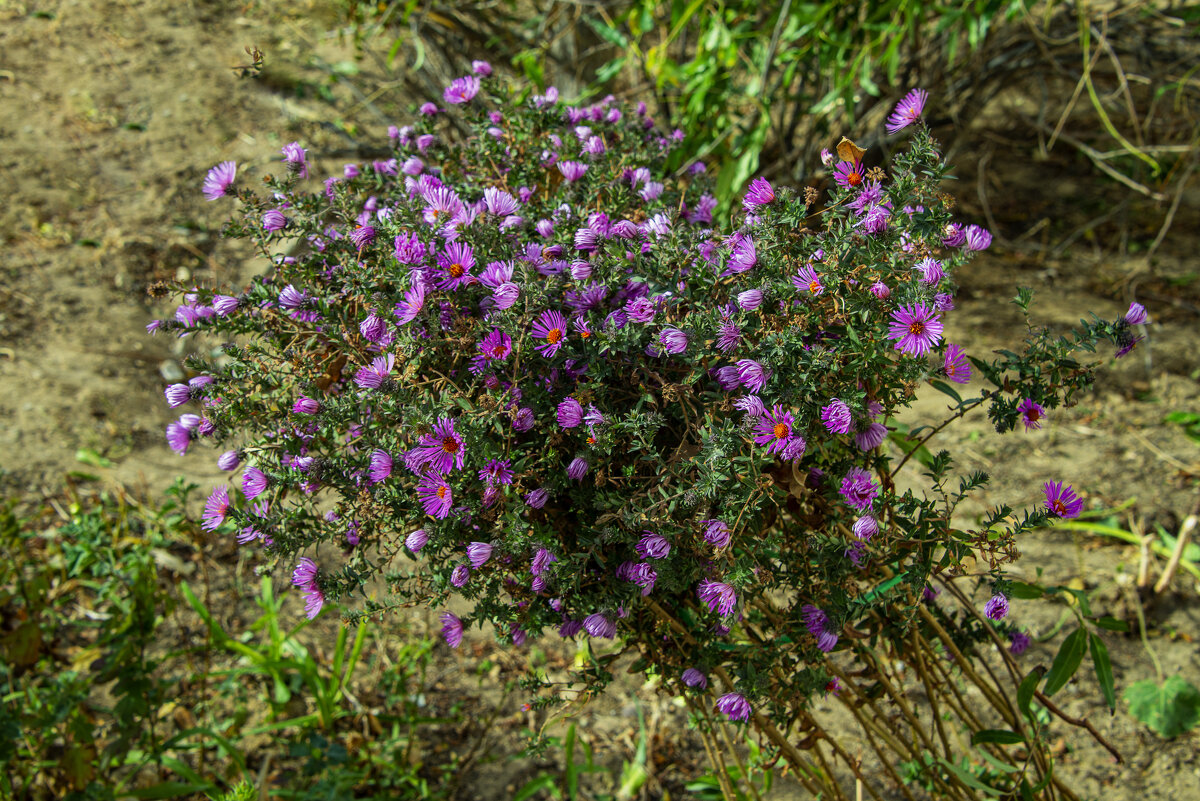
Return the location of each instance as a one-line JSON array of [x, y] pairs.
[[111, 112]]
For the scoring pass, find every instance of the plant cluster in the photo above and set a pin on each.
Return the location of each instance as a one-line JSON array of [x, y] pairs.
[[533, 359]]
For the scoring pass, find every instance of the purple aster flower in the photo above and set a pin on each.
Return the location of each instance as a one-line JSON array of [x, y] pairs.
[[1136, 314], [943, 302], [381, 466], [977, 238], [409, 249], [930, 593], [742, 255], [305, 405], [907, 111], [653, 546], [694, 678], [416, 540], [460, 575], [481, 68], [497, 471], [956, 367], [775, 430], [750, 300], [229, 460], [759, 193], [1031, 413], [305, 578], [570, 413], [719, 597], [177, 395], [808, 279], [572, 170], [216, 508], [461, 90], [858, 489], [455, 265], [916, 329], [499, 202], [734, 707], [641, 310], [866, 527], [435, 495], [578, 468], [536, 499], [254, 483], [479, 553], [541, 561], [752, 375], [452, 629], [996, 608], [376, 374], [225, 304], [597, 625], [362, 236], [496, 346], [836, 416], [1018, 642], [870, 436], [875, 220], [273, 220], [375, 330], [819, 626], [729, 336], [716, 533], [219, 179], [1061, 500], [408, 309], [931, 270], [523, 420], [551, 327], [880, 290], [294, 158], [442, 451], [849, 174], [673, 340], [181, 432]]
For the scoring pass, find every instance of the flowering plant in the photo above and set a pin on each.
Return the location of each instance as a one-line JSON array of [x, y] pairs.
[[534, 358]]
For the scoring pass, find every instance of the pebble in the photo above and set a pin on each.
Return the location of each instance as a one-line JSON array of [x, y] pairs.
[[170, 370], [183, 274]]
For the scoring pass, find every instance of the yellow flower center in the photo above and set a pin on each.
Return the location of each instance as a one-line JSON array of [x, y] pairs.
[[781, 430], [553, 335]]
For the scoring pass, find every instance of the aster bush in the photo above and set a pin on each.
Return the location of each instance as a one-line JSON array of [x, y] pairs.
[[529, 368]]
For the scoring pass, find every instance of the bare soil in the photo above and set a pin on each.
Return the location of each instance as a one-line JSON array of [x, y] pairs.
[[112, 112]]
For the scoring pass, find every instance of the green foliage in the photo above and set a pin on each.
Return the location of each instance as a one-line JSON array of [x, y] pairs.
[[1170, 708]]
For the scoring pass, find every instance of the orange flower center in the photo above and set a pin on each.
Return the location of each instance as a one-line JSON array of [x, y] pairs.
[[854, 179], [585, 334], [1058, 507], [456, 270], [450, 445], [441, 493], [591, 440], [814, 287], [916, 328], [498, 351], [553, 335], [1033, 414], [781, 430]]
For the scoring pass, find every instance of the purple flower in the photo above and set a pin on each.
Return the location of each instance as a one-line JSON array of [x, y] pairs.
[[818, 625], [836, 416], [229, 460], [916, 329], [865, 527], [907, 111], [848, 174], [931, 271], [479, 553], [977, 238], [376, 374], [956, 367], [752, 375], [694, 678], [551, 326], [719, 597], [716, 533], [381, 466], [858, 489], [375, 330], [750, 300], [452, 629], [1018, 642], [1031, 413], [541, 561], [996, 608], [808, 279], [294, 158], [461, 90], [673, 340], [729, 336], [759, 193], [254, 483], [436, 495], [1061, 500], [570, 413], [497, 471], [775, 430], [442, 451], [409, 249], [572, 170], [460, 575], [177, 395], [414, 300], [523, 420], [496, 346], [870, 436], [597, 625], [943, 302], [305, 405], [536, 499], [219, 179], [455, 265], [578, 468], [734, 707], [1136, 314], [273, 220], [653, 546], [416, 540], [305, 578], [481, 68], [216, 508], [880, 290]]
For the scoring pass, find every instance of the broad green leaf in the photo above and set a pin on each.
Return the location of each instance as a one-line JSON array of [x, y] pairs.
[[943, 387], [1169, 710], [1026, 690], [1103, 666], [1111, 623], [998, 736], [1070, 654], [1019, 589]]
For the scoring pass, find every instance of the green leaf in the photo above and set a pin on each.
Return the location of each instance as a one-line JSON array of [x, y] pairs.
[[967, 779], [1111, 624], [946, 389], [89, 456], [998, 736], [1026, 690], [543, 783], [1103, 666], [1019, 589], [1070, 655], [1169, 710]]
